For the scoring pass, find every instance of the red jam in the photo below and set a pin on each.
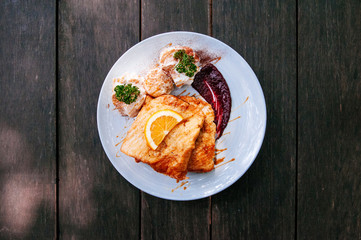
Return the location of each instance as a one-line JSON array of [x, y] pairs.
[[211, 85]]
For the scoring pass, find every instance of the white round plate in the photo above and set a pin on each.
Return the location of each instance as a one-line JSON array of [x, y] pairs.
[[242, 138]]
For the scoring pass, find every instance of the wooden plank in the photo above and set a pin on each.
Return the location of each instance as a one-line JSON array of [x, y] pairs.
[[177, 15], [261, 205], [27, 120], [95, 202], [329, 183], [163, 219]]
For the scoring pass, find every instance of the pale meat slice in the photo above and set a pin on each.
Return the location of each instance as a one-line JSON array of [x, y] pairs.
[[157, 82], [172, 155], [202, 158], [132, 109], [168, 63]]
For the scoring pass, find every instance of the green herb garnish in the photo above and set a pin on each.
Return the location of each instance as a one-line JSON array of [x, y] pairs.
[[126, 93], [186, 63]]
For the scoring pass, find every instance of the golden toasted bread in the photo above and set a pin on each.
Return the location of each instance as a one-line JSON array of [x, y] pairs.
[[172, 155], [202, 158]]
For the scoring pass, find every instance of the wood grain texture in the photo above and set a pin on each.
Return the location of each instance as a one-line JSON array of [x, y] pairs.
[[173, 15], [329, 182], [95, 202], [261, 205], [27, 120], [163, 219]]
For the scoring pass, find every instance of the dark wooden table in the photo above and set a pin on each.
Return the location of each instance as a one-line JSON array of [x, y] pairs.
[[56, 181]]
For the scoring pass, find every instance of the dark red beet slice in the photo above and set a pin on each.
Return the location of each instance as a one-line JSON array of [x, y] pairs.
[[211, 85]]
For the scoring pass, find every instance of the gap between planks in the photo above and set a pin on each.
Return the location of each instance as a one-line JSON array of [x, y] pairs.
[[296, 164], [57, 120]]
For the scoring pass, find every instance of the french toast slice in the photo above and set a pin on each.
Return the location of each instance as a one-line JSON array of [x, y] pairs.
[[202, 157], [173, 154]]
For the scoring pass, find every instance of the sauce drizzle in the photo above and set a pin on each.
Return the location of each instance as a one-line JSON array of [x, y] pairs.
[[225, 163], [218, 151], [219, 160], [182, 92], [215, 60], [234, 119], [117, 154], [246, 100], [240, 104], [181, 185]]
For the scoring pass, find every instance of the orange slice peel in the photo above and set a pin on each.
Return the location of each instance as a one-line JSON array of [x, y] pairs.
[[159, 125]]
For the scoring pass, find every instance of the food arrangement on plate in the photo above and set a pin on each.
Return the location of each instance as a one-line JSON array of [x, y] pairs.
[[174, 134], [155, 96]]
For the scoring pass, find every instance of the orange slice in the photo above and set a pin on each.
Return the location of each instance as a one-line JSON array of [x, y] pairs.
[[159, 125]]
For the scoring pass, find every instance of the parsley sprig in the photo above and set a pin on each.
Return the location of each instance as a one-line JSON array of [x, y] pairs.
[[186, 63], [126, 93]]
